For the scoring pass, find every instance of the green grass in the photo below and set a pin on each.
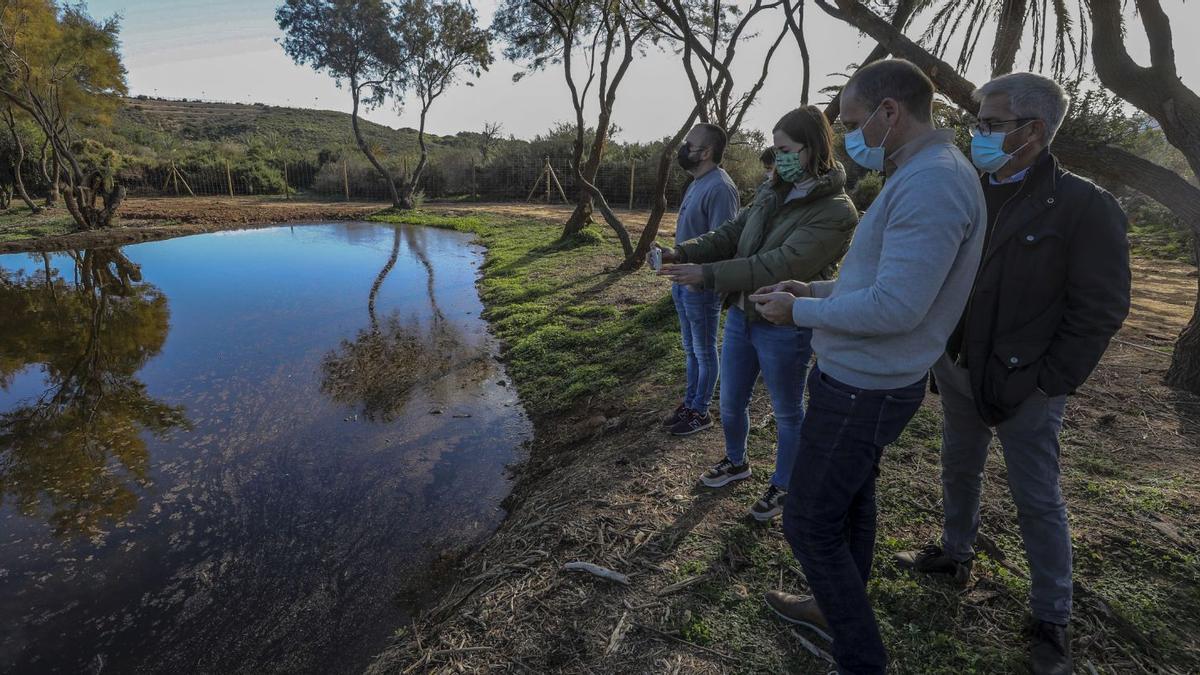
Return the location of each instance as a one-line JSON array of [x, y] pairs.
[[568, 341], [18, 223], [579, 334]]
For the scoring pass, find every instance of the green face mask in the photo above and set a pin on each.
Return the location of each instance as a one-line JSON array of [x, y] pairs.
[[788, 166]]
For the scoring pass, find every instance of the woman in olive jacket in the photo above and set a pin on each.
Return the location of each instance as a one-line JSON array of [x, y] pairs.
[[798, 227]]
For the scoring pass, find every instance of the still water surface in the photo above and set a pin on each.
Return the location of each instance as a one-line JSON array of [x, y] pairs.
[[243, 451]]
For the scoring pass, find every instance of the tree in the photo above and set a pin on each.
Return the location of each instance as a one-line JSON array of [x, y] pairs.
[[17, 158], [544, 32], [707, 36], [62, 69], [442, 39], [1155, 89], [77, 455], [352, 42]]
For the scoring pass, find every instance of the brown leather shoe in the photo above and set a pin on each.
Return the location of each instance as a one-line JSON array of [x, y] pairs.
[[801, 610]]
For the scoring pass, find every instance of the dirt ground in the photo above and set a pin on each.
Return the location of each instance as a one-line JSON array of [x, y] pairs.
[[606, 486], [151, 219], [155, 218]]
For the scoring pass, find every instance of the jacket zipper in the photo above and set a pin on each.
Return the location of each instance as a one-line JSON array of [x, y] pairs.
[[962, 349]]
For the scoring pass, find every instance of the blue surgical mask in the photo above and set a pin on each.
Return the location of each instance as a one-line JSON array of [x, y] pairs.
[[987, 152], [864, 155]]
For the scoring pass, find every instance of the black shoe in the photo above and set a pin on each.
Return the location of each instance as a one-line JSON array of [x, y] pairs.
[[933, 560], [725, 473], [770, 505], [694, 421], [675, 416], [1049, 648]]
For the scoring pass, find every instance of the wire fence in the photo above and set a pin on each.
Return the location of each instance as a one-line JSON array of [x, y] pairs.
[[624, 184]]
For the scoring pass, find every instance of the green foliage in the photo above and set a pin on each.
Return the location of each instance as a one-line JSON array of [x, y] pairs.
[[866, 190]]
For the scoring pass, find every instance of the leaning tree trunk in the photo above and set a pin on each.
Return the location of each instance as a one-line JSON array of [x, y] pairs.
[[17, 162], [410, 189], [399, 201], [5, 197], [50, 173], [1157, 91], [650, 232]]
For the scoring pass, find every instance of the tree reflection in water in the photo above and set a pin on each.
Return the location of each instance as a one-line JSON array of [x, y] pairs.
[[381, 367], [76, 455]]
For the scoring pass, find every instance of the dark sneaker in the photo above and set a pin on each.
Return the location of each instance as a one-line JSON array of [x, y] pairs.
[[933, 560], [675, 416], [1049, 648], [725, 473], [801, 610], [694, 421], [770, 505]]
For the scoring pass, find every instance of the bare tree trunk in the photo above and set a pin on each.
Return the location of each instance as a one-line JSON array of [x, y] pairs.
[[1010, 26], [398, 201], [1159, 92], [17, 162], [50, 173], [650, 232], [411, 188]]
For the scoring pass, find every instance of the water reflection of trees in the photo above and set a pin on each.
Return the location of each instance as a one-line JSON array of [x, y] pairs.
[[381, 367], [75, 455]]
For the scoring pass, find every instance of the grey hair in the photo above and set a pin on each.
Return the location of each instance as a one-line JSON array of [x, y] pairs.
[[1030, 96]]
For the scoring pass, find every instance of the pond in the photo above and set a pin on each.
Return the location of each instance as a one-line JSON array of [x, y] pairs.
[[249, 451]]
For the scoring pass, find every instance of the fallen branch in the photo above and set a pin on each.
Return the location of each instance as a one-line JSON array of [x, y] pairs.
[[682, 584], [614, 640], [602, 572], [812, 648], [1141, 347]]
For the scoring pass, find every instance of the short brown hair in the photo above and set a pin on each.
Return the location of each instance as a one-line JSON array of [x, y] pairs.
[[767, 157], [808, 125], [896, 79]]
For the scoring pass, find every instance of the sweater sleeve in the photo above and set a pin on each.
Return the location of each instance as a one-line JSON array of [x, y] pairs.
[[920, 246], [719, 244]]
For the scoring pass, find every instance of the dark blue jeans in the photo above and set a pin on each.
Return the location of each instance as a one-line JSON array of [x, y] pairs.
[[829, 517], [699, 314]]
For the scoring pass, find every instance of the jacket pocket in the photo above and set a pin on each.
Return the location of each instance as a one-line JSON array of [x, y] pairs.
[[1012, 372]]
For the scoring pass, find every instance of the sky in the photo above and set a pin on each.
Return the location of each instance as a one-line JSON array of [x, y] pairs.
[[227, 50]]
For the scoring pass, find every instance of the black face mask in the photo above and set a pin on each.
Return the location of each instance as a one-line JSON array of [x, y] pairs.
[[685, 158]]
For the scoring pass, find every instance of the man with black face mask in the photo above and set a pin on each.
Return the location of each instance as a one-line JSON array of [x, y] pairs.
[[710, 200]]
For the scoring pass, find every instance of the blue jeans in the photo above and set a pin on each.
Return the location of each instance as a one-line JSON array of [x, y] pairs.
[[829, 516], [781, 353], [699, 314]]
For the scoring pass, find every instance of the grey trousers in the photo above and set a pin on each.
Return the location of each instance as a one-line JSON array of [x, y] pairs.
[[1030, 443]]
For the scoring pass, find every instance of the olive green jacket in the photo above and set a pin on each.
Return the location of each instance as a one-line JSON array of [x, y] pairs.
[[770, 241]]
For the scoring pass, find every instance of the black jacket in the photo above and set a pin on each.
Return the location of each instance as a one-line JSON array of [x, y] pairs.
[[1052, 290]]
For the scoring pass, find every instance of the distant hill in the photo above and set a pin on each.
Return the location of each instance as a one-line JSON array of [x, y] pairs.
[[151, 124]]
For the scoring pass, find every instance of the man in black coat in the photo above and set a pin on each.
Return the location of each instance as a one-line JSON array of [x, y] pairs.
[[1052, 290]]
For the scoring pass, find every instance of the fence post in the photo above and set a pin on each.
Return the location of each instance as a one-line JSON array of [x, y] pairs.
[[631, 165], [287, 194], [474, 185], [547, 180], [229, 178], [346, 178]]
